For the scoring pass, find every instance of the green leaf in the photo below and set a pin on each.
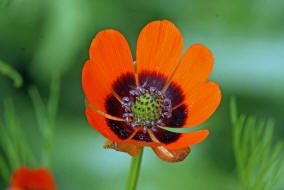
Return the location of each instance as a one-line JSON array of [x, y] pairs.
[[7, 70], [8, 148], [52, 104], [46, 116], [40, 112], [5, 171], [17, 137], [43, 122]]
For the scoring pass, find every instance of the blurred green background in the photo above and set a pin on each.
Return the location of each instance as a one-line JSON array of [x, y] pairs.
[[39, 38]]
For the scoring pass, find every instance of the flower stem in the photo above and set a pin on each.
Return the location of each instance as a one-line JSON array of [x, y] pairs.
[[134, 171]]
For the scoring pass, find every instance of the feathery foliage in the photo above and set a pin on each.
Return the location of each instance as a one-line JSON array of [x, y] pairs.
[[258, 159]]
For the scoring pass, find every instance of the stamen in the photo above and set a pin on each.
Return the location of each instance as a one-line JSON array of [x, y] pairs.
[[144, 84], [127, 120], [125, 99], [152, 89], [141, 90], [133, 125], [125, 115], [145, 129], [130, 114], [159, 122], [166, 114], [129, 104], [139, 120], [167, 101], [153, 129], [160, 93], [147, 122], [168, 108]]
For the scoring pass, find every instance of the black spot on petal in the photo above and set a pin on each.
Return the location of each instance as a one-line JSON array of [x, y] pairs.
[[141, 136], [113, 106], [152, 79], [121, 129], [175, 94], [178, 118], [124, 84], [165, 136]]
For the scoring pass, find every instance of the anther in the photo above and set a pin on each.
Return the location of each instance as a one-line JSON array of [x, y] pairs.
[[126, 107], [159, 122], [153, 129], [144, 129], [141, 90], [166, 114], [138, 120], [160, 94], [167, 101], [144, 84], [130, 114], [132, 92], [125, 115], [147, 122], [127, 120], [137, 93], [125, 99], [129, 104], [152, 89], [133, 125], [168, 108]]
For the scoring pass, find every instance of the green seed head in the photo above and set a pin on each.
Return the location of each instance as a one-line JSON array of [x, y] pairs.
[[148, 107]]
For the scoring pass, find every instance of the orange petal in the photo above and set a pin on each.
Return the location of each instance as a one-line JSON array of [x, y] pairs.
[[201, 102], [171, 155], [110, 57], [131, 149], [188, 139], [100, 124], [95, 91], [195, 66], [25, 178], [159, 48], [174, 141]]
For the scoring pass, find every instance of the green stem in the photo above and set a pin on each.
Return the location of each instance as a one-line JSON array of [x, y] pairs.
[[134, 171]]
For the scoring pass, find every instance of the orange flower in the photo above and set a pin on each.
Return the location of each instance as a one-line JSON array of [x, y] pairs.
[[38, 179], [129, 104]]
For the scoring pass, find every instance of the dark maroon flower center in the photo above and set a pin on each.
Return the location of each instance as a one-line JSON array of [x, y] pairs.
[[125, 86]]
